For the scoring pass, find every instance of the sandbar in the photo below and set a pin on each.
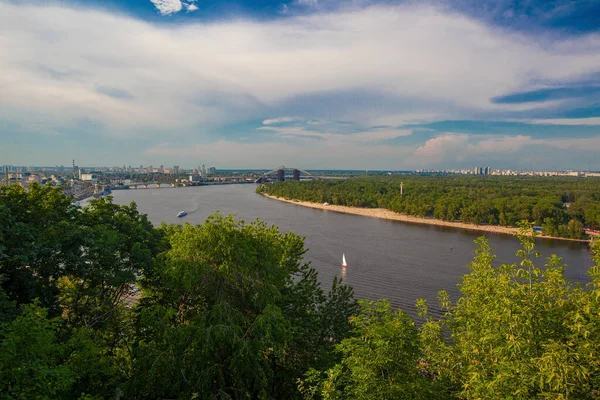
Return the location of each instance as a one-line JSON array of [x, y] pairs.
[[390, 215]]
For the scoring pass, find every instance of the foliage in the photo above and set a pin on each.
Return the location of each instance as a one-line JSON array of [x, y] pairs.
[[230, 310], [382, 360], [562, 205], [223, 317], [77, 264], [31, 357], [40, 241], [518, 331], [120, 245]]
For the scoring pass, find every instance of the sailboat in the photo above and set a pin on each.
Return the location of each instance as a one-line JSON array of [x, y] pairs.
[[344, 265]]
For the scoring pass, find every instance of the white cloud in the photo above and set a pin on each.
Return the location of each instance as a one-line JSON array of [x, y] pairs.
[[441, 148], [458, 148], [190, 7], [568, 121], [185, 80], [166, 7], [465, 150], [280, 120], [331, 131]]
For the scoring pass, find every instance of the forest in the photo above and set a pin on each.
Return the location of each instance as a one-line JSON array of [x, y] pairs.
[[562, 206], [96, 302]]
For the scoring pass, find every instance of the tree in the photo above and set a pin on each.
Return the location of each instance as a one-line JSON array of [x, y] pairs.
[[381, 360], [31, 357], [220, 318], [41, 241], [120, 245], [575, 229], [494, 200], [517, 332]]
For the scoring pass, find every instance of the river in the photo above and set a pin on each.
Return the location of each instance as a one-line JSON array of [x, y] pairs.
[[386, 259]]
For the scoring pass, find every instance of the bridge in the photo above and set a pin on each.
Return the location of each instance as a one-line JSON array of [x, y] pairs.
[[156, 185], [159, 185], [282, 173]]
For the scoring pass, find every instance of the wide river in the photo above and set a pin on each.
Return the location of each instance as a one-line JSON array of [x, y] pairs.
[[386, 259]]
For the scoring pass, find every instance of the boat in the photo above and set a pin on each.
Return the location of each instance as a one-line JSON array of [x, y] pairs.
[[344, 265], [181, 214]]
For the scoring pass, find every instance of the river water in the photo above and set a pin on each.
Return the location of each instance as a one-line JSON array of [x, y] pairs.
[[386, 259]]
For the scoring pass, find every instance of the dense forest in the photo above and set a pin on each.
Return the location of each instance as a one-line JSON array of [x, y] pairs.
[[96, 303], [562, 206]]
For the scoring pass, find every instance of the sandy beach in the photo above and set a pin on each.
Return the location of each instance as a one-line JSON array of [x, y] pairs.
[[387, 214]]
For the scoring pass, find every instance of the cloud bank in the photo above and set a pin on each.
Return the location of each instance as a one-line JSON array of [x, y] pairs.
[[116, 78]]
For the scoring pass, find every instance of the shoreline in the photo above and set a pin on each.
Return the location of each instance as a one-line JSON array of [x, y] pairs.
[[383, 213]]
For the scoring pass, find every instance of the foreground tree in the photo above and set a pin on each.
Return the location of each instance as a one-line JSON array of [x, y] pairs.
[[120, 245], [381, 360], [40, 241], [518, 331], [64, 273], [32, 357], [232, 312]]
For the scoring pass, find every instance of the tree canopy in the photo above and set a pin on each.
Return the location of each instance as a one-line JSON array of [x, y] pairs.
[[563, 206], [95, 302]]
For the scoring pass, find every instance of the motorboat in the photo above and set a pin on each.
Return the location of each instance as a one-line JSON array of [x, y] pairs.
[[181, 214]]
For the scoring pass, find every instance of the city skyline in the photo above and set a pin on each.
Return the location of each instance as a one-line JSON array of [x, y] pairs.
[[317, 84]]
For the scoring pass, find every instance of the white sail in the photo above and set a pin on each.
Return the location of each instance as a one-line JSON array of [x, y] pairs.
[[344, 260]]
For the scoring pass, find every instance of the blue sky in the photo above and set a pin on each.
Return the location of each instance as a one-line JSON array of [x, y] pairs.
[[310, 83]]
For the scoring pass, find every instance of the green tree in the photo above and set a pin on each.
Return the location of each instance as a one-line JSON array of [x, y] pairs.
[[575, 229], [220, 319], [31, 357], [500, 200], [381, 360], [518, 331], [41, 240], [120, 245]]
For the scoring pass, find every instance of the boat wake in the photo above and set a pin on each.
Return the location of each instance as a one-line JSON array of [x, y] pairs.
[[194, 203]]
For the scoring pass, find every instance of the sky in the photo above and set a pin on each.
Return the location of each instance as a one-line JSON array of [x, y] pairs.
[[310, 84]]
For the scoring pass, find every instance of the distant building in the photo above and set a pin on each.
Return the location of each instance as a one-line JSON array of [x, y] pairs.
[[194, 178], [89, 177], [176, 170], [212, 171]]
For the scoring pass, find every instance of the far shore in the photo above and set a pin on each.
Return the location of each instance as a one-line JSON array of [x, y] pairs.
[[390, 215]]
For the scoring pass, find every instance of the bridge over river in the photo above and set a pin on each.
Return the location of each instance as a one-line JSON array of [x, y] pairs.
[[159, 185], [282, 173]]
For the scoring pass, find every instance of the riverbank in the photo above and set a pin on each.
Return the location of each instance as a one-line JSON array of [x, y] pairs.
[[390, 215]]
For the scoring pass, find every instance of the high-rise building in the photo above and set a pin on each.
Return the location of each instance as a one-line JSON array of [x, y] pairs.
[[76, 171], [176, 170]]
